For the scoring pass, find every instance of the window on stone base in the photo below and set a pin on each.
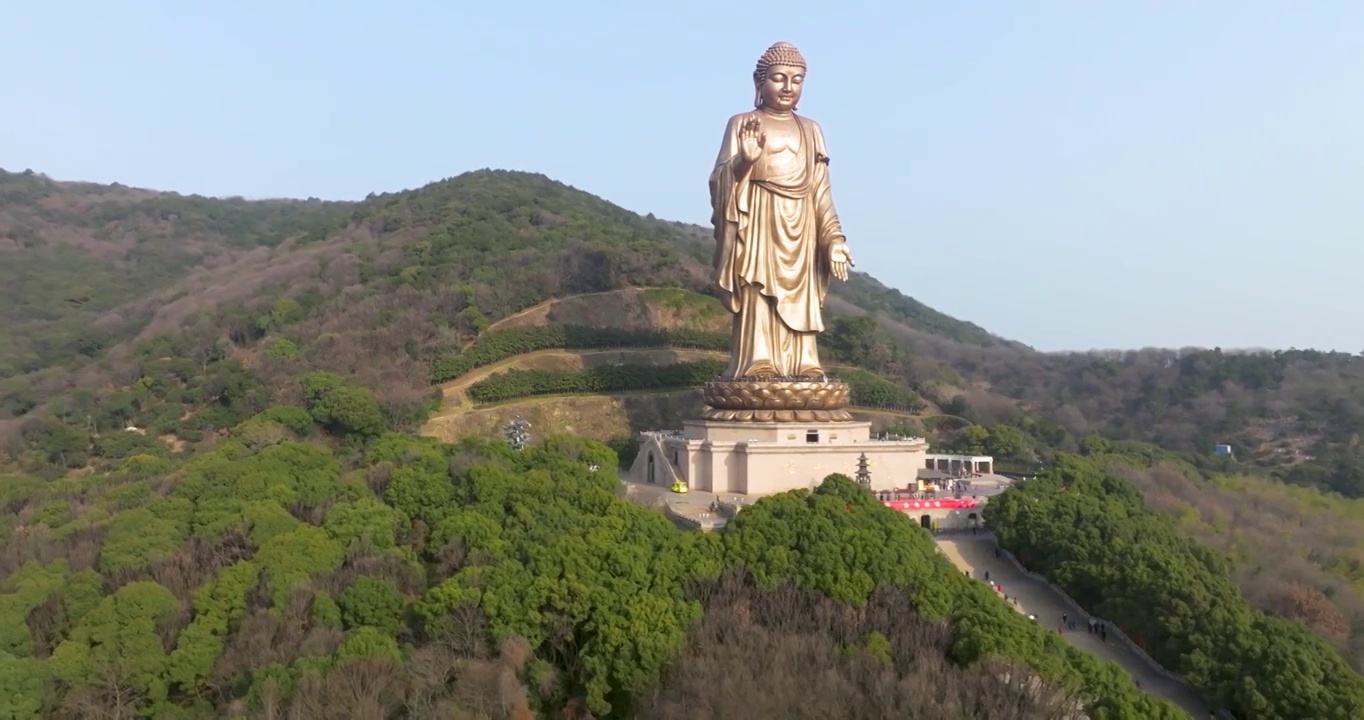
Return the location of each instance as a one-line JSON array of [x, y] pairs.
[[812, 436]]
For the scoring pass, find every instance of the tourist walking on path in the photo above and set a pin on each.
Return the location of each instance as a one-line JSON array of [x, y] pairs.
[[1036, 599]]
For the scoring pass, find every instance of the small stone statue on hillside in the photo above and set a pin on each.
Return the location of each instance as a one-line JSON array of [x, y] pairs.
[[517, 433]]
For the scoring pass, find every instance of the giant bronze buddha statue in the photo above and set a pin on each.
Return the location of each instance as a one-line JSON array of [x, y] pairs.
[[778, 243]]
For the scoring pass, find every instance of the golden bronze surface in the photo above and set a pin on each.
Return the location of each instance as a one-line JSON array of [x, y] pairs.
[[778, 242], [776, 401], [778, 415]]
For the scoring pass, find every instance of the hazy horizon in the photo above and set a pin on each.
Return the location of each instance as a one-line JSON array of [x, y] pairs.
[[1070, 176]]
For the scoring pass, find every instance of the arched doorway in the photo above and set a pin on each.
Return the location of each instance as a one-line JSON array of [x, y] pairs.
[[653, 478], [926, 522]]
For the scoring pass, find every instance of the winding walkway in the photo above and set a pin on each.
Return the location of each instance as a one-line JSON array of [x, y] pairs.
[[455, 398], [976, 554]]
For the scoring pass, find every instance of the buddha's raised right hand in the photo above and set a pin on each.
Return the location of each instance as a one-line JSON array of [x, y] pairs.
[[751, 140]]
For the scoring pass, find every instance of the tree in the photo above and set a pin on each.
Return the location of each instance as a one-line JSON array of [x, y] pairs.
[[1008, 444], [861, 341], [346, 409], [371, 602], [974, 440], [117, 645]]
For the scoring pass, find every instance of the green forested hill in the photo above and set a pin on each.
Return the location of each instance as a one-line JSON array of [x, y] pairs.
[[1082, 525], [76, 255], [309, 567], [376, 290], [112, 292], [225, 328], [1295, 413]]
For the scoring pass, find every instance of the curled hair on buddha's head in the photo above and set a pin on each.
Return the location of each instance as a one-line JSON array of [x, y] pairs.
[[781, 53]]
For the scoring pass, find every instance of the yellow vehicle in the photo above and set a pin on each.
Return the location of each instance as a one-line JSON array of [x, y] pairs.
[[679, 487]]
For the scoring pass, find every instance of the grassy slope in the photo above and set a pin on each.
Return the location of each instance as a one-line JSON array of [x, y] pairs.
[[599, 417]]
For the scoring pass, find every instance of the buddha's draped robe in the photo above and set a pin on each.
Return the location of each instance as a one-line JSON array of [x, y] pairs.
[[772, 238]]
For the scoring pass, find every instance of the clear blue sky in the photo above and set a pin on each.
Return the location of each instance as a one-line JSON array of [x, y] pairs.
[[1070, 174]]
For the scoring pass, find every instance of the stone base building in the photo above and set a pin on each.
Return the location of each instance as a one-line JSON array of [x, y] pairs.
[[762, 458]]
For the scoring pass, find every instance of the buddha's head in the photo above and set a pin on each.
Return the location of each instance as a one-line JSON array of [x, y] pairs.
[[778, 78]]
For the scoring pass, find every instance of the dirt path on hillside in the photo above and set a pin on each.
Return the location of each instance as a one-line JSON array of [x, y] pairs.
[[976, 554], [455, 398], [533, 308], [455, 394], [547, 303]]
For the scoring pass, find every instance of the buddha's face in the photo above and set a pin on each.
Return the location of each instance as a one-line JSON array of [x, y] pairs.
[[780, 90]]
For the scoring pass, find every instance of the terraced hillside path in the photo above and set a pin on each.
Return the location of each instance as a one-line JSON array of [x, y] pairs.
[[539, 307], [976, 554], [455, 393], [455, 398]]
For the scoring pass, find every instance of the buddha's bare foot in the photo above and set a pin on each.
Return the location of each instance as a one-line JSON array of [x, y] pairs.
[[762, 373], [813, 376]]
